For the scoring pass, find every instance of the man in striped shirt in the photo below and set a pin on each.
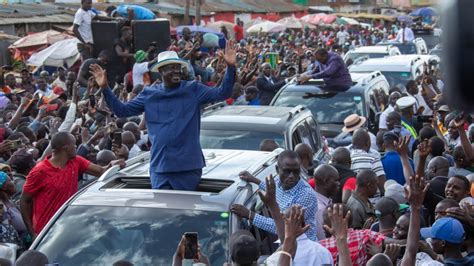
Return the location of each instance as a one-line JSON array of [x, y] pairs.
[[362, 158]]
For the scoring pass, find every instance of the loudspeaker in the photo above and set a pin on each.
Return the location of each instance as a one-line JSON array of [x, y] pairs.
[[148, 31], [104, 34]]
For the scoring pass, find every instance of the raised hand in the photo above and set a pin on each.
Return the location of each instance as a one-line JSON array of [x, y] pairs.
[[240, 211], [269, 197], [294, 222], [248, 177], [402, 147], [339, 222], [416, 190], [424, 148], [230, 55], [99, 74]]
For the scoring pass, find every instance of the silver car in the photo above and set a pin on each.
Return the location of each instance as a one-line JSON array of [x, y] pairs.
[[120, 217]]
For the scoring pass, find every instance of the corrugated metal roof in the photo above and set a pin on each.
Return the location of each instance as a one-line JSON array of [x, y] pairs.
[[59, 18], [29, 10], [276, 6]]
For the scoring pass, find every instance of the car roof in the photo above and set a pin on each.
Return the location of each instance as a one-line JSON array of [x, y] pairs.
[[395, 43], [391, 63], [221, 166], [254, 118], [372, 49]]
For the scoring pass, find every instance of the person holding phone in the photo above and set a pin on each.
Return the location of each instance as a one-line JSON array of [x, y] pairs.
[[173, 113], [13, 228]]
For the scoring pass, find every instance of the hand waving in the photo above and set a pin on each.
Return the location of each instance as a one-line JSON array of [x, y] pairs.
[[416, 190], [230, 55], [424, 148], [402, 147], [99, 74], [294, 223], [339, 222], [269, 197]]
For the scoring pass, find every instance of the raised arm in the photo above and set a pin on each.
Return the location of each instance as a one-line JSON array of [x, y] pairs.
[[465, 143], [332, 68], [424, 150], [269, 199], [131, 108], [402, 149]]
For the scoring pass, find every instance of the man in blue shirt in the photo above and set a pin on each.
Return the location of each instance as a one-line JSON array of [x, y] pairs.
[[332, 70], [251, 95], [131, 12], [173, 116], [392, 164], [290, 190]]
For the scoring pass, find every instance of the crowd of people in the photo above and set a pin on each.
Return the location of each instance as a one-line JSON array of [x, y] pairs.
[[400, 195]]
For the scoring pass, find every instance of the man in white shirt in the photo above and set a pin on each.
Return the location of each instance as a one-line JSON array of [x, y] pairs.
[[405, 34], [392, 100], [141, 67], [342, 36]]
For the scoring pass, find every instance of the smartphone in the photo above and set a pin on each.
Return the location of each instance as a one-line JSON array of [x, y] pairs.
[[16, 144], [92, 100], [117, 139], [191, 248]]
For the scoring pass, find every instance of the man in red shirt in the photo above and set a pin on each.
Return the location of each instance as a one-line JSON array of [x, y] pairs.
[[54, 180], [239, 30]]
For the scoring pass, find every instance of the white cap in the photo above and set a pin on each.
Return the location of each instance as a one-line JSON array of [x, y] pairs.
[[406, 102]]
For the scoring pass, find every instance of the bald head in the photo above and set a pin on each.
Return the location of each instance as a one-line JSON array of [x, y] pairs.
[[361, 139], [128, 139], [305, 152], [104, 157], [438, 166], [393, 119], [268, 145], [365, 177], [341, 156], [132, 127], [380, 259]]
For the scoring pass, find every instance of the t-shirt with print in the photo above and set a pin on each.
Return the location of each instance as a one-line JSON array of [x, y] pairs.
[[83, 19], [51, 187]]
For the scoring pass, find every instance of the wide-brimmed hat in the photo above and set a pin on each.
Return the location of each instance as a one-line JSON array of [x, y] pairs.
[[353, 122], [166, 58]]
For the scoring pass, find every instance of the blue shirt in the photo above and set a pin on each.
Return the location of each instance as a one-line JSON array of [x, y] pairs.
[[392, 165], [140, 13], [301, 194], [173, 118], [255, 101]]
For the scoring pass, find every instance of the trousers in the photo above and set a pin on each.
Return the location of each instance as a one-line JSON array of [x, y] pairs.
[[185, 180]]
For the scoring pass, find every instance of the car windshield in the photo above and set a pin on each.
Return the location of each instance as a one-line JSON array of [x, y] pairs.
[[238, 139], [330, 108], [397, 78], [85, 235]]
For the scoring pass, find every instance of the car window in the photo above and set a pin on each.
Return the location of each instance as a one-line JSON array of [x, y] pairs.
[[296, 138], [237, 139], [327, 107], [395, 78], [90, 235], [305, 135], [314, 132]]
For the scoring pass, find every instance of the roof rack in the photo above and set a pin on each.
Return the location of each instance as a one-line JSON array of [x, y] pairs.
[[295, 110]]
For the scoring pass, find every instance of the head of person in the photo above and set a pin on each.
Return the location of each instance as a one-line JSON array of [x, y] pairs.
[[393, 98], [379, 259], [438, 166], [400, 231], [109, 10], [367, 183], [443, 111], [445, 233], [103, 57], [322, 55], [70, 79], [10, 80], [361, 139], [341, 156], [244, 248], [460, 157], [390, 141], [268, 145], [41, 83], [405, 106], [22, 161], [104, 157], [289, 169], [437, 146], [251, 93], [452, 130], [387, 211], [126, 34], [442, 206], [170, 66], [7, 187], [426, 133], [327, 180], [412, 87], [186, 34], [379, 139], [305, 153], [128, 139], [353, 122], [63, 144], [132, 127], [86, 4], [457, 188], [266, 69], [25, 75]]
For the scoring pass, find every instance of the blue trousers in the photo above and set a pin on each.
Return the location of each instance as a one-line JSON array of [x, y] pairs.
[[185, 180]]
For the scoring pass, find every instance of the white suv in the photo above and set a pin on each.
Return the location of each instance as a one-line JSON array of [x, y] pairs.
[[398, 70], [370, 52], [418, 46]]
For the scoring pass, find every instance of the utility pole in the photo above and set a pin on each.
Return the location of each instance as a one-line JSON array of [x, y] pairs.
[[186, 12], [198, 12]]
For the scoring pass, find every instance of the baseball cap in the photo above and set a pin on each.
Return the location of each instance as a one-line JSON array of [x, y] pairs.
[[243, 247], [443, 108], [447, 229], [21, 159], [395, 191], [386, 206]]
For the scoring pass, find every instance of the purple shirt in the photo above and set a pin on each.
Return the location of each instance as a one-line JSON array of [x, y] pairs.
[[334, 72]]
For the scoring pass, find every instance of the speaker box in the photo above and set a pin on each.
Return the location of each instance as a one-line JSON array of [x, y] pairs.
[[147, 31], [104, 34]]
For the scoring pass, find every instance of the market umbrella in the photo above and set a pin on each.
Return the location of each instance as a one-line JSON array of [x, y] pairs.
[[405, 18], [340, 21], [254, 22], [319, 18], [59, 54], [41, 38], [8, 37], [195, 29], [292, 23], [424, 12], [267, 26], [350, 21], [218, 24]]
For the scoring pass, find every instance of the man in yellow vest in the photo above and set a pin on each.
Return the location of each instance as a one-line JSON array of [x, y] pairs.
[[405, 106]]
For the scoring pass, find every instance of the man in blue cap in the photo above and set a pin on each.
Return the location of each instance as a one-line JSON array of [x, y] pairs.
[[447, 236], [173, 116]]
